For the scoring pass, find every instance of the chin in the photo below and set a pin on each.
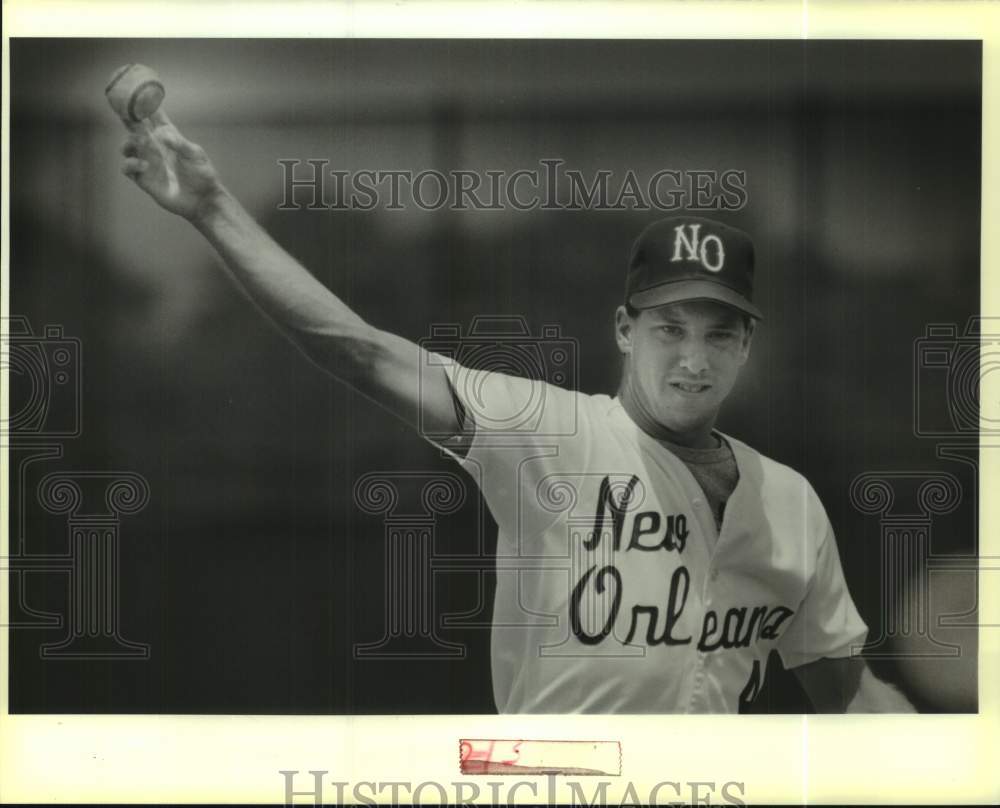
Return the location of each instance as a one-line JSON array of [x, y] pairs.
[[681, 422], [681, 417]]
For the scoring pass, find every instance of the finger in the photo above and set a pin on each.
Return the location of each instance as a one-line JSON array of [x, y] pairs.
[[136, 127], [137, 142], [131, 147], [159, 118], [180, 144], [133, 167], [164, 129]]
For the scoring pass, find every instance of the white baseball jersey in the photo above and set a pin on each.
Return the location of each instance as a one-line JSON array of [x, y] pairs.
[[615, 590]]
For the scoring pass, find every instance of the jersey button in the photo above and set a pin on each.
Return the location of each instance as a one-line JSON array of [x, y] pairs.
[[697, 503]]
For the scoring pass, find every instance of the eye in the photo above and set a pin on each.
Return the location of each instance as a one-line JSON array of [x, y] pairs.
[[672, 330], [722, 336]]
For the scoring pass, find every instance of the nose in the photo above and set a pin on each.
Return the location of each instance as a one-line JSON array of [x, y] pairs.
[[694, 357]]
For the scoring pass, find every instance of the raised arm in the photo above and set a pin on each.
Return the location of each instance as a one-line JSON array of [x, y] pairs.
[[392, 371]]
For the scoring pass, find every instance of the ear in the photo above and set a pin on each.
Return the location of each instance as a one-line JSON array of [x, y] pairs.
[[624, 330], [748, 333]]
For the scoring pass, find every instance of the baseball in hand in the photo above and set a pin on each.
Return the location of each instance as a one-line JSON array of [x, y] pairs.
[[135, 92]]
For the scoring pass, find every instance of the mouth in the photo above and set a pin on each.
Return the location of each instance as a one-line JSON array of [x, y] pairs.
[[690, 387]]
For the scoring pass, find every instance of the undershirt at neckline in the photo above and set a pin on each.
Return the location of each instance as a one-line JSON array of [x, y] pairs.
[[714, 469]]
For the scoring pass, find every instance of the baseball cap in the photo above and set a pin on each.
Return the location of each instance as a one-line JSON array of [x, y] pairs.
[[691, 258]]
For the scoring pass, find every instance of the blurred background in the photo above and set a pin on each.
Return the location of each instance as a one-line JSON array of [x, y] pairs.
[[251, 573]]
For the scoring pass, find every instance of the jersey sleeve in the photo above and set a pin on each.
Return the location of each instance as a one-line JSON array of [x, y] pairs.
[[500, 409], [827, 623], [517, 431]]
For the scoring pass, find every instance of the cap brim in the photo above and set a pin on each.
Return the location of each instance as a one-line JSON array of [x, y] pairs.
[[678, 291]]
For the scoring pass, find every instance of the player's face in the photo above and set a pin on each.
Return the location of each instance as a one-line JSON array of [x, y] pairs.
[[682, 361]]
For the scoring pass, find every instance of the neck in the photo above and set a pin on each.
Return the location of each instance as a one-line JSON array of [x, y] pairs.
[[699, 437]]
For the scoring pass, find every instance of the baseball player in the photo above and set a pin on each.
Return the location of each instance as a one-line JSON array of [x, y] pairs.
[[646, 562]]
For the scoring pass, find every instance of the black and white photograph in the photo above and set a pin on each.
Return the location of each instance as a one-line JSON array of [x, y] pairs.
[[500, 377]]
